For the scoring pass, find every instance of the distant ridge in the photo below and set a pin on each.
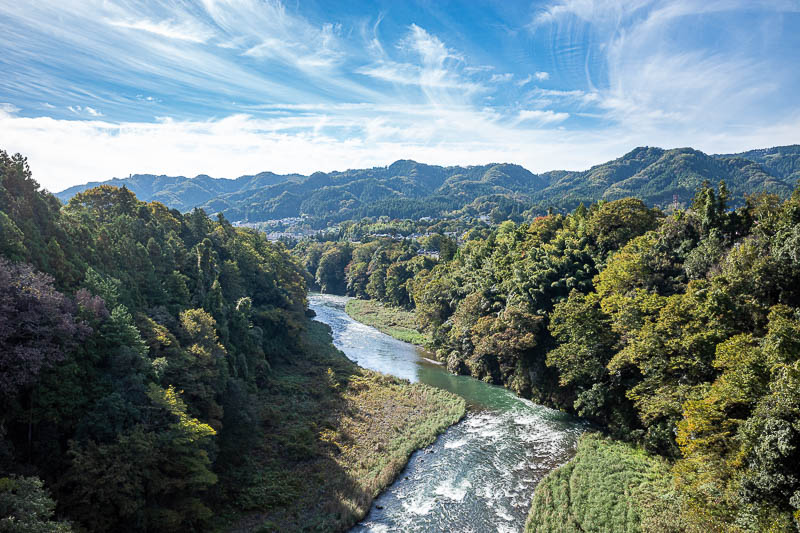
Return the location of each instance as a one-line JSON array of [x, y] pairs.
[[407, 189]]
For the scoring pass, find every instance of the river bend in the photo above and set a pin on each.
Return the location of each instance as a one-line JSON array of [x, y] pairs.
[[478, 476]]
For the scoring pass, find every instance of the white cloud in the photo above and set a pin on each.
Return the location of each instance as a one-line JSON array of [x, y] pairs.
[[501, 78], [539, 76], [177, 48], [543, 117], [651, 80], [525, 81], [311, 138], [478, 68], [78, 110], [6, 107], [185, 31], [431, 50], [430, 65]]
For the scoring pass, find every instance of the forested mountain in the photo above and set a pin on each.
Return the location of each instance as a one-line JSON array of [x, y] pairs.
[[181, 193], [781, 161], [656, 176], [406, 189]]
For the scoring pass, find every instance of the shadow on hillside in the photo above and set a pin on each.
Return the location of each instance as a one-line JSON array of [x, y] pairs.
[[291, 481]]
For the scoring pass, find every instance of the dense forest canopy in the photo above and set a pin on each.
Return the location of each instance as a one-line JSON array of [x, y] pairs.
[[675, 331], [406, 189], [133, 339]]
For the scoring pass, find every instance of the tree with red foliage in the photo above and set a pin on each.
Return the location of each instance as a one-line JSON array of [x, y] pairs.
[[37, 326]]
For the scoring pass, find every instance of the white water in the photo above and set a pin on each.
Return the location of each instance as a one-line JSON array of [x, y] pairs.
[[481, 473]]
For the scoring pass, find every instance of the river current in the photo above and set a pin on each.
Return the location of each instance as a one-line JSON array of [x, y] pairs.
[[479, 476]]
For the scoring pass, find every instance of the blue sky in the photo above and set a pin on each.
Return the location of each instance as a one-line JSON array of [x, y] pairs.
[[95, 89]]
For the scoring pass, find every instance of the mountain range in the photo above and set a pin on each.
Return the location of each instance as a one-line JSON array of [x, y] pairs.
[[407, 189]]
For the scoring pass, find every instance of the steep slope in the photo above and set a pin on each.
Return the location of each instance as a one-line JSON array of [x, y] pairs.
[[177, 379], [780, 161], [656, 176]]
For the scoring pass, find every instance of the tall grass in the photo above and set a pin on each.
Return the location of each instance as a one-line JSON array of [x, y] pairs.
[[394, 321], [609, 486], [334, 436]]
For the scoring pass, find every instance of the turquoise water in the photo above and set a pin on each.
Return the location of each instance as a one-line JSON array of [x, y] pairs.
[[480, 474]]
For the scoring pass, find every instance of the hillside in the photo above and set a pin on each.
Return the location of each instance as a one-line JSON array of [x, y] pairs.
[[407, 189], [159, 372], [781, 161], [656, 176]]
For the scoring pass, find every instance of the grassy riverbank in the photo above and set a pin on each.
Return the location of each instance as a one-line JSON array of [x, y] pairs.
[[334, 435], [608, 486], [393, 321]]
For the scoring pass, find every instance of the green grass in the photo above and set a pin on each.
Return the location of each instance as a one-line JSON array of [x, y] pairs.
[[333, 435], [609, 486], [393, 321]]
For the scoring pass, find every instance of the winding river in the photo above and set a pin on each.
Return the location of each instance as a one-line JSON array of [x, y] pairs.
[[480, 474]]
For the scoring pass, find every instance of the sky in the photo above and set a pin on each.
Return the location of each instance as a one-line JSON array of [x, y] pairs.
[[95, 89]]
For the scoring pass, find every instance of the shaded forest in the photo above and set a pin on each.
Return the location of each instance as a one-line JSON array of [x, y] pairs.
[[132, 341]]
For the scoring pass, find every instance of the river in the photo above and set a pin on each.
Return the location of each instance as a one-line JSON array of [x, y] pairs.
[[479, 476]]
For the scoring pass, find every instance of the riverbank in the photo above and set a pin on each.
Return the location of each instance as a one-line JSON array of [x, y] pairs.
[[333, 435], [608, 486], [393, 321]]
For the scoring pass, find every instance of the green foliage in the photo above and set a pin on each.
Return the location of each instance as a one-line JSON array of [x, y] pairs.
[[26, 507], [155, 321], [676, 332], [673, 332], [153, 476], [615, 223]]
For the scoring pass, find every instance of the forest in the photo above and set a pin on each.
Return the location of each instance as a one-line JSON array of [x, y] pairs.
[[676, 332], [158, 372]]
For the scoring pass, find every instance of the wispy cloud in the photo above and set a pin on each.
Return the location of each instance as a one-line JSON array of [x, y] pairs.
[[544, 117], [250, 85], [639, 74], [181, 31], [539, 76], [501, 78], [85, 110], [440, 72]]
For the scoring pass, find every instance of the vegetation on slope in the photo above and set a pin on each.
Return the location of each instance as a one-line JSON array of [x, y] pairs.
[[158, 372], [394, 321], [334, 436], [675, 332]]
